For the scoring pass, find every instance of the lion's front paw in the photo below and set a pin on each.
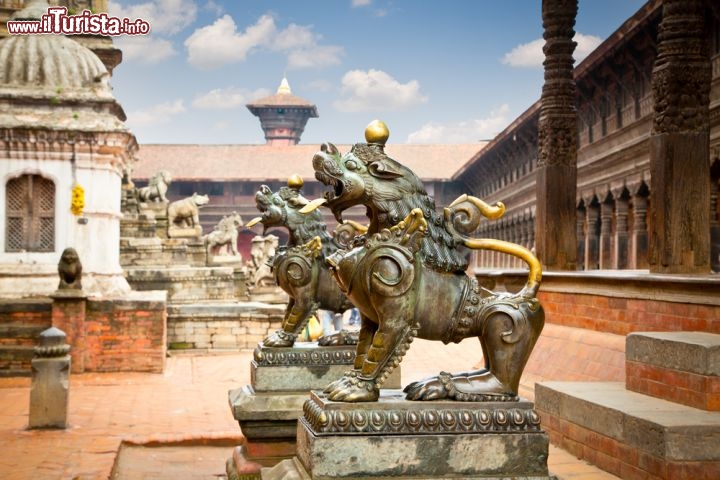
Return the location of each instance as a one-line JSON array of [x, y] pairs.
[[351, 388], [280, 339], [431, 388], [343, 337]]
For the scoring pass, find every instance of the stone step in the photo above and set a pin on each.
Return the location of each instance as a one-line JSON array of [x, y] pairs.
[[628, 434], [682, 367]]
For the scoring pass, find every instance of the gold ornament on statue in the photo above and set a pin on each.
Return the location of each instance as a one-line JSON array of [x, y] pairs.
[[377, 132], [295, 181]]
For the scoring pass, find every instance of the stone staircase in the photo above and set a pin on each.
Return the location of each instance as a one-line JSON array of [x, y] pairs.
[[21, 322], [662, 423]]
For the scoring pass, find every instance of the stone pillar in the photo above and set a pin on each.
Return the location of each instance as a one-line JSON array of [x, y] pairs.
[[639, 235], [680, 142], [555, 237], [68, 314], [621, 231], [606, 250], [50, 381]]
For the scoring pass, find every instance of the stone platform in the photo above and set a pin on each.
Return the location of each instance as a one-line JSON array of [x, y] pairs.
[[281, 379], [415, 440]]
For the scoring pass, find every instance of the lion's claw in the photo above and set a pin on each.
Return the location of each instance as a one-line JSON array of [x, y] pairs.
[[343, 337], [427, 389], [350, 388], [279, 339]]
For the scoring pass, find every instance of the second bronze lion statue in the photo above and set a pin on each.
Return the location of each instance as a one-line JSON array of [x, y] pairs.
[[300, 268]]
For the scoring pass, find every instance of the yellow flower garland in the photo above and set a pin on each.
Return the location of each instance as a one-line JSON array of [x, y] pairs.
[[77, 203]]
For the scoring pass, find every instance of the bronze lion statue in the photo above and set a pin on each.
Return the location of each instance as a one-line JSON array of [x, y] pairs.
[[300, 268], [407, 277]]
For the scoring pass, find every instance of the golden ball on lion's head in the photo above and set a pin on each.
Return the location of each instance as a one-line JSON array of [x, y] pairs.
[[377, 132], [295, 181]]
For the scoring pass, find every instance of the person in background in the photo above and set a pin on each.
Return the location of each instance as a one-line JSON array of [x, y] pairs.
[[331, 322]]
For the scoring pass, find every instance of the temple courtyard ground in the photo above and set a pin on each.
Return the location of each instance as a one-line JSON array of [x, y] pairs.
[[176, 425]]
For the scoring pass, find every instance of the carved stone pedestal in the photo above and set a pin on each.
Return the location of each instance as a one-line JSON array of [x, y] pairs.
[[416, 440], [281, 381], [184, 232], [235, 261]]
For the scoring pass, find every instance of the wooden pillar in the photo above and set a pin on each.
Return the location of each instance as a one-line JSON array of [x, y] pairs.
[[606, 248], [580, 234], [639, 234], [680, 142], [592, 235], [714, 223], [555, 237], [621, 230]]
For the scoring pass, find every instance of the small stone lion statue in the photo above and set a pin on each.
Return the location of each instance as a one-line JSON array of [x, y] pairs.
[[224, 235], [185, 213], [70, 270], [157, 188]]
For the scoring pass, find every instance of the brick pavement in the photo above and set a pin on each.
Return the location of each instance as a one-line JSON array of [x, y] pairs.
[[187, 405]]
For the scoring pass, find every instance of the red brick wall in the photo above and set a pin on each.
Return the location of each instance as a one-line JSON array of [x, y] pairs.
[[125, 335], [624, 315], [687, 388], [21, 322], [118, 335]]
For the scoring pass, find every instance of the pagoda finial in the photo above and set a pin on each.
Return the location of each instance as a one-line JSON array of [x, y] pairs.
[[284, 87]]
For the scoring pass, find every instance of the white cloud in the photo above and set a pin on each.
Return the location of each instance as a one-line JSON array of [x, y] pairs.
[[526, 55], [376, 90], [531, 54], [361, 3], [156, 114], [292, 37], [145, 48], [318, 56], [468, 131], [585, 45], [220, 44], [228, 98], [166, 17], [214, 7]]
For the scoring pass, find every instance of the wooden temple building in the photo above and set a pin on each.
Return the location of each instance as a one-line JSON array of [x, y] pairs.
[[613, 110]]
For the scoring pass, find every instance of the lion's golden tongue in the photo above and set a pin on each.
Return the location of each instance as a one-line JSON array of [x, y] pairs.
[[312, 205]]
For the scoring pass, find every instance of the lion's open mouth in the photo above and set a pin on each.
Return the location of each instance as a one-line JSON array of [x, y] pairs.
[[337, 184]]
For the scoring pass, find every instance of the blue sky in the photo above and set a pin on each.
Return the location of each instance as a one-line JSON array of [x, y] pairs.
[[452, 71]]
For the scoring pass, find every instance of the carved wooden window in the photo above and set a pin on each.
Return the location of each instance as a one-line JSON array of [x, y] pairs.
[[30, 214]]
